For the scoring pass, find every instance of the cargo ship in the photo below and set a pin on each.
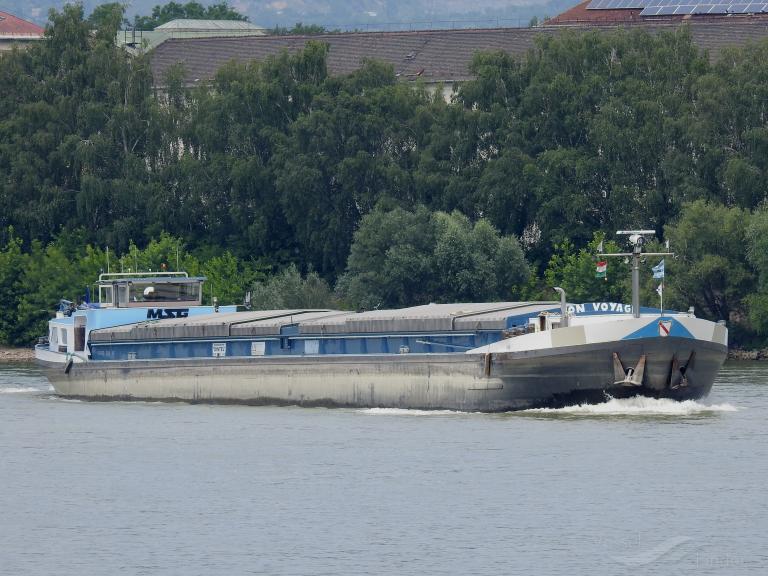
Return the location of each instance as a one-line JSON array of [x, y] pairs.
[[150, 338]]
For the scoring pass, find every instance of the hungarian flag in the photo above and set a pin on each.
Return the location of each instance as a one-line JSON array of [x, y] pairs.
[[601, 270]]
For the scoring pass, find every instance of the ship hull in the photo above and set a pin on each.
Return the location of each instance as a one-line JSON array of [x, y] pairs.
[[468, 382], [675, 368]]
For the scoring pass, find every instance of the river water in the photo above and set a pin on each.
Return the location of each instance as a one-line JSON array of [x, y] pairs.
[[628, 487]]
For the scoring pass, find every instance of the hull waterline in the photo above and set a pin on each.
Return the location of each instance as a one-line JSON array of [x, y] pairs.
[[678, 368]]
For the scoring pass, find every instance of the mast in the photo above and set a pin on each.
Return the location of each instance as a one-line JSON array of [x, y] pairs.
[[637, 240]]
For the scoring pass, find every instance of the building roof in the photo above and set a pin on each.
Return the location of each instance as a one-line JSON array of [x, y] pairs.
[[12, 26], [433, 55], [150, 39], [580, 14], [182, 28], [437, 55], [187, 25]]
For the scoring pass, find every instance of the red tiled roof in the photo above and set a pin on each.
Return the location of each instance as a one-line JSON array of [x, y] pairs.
[[11, 25], [580, 14]]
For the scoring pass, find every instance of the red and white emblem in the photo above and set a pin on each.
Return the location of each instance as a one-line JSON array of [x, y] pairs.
[[664, 327]]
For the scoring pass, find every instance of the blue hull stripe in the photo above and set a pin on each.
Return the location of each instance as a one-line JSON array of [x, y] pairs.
[[651, 330]]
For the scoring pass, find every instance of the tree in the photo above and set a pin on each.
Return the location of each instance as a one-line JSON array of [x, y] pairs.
[[757, 255], [76, 118], [288, 290], [506, 191], [390, 263], [473, 263], [300, 29], [163, 13], [385, 190], [710, 270], [353, 148], [61, 269], [108, 18], [228, 279], [401, 258], [12, 264], [574, 270]]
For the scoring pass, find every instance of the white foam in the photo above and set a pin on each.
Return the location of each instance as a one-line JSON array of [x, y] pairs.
[[62, 399], [23, 390], [407, 412], [638, 406]]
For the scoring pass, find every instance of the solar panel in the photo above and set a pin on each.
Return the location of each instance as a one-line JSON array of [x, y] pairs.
[[681, 7], [616, 4]]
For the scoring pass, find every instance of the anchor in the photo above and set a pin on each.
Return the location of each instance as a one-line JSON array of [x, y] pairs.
[[678, 377], [631, 376]]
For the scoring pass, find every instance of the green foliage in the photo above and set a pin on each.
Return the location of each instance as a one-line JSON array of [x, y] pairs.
[[165, 253], [757, 255], [756, 235], [300, 29], [229, 278], [389, 263], [75, 123], [401, 258], [287, 290], [338, 160], [12, 264], [163, 13], [711, 270], [108, 18], [574, 271], [384, 189], [33, 282], [51, 272]]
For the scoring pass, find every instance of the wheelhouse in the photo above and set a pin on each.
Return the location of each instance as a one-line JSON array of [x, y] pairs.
[[135, 290]]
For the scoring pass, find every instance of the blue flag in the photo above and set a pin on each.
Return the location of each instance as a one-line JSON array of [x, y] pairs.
[[658, 270]]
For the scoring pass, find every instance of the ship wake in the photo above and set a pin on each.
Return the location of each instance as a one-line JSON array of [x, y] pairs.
[[23, 390], [637, 406], [407, 412]]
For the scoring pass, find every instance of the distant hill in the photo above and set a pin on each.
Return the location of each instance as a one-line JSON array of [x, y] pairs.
[[346, 14]]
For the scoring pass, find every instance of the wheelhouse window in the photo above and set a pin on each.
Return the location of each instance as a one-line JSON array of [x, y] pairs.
[[126, 290], [106, 296], [165, 292], [122, 295]]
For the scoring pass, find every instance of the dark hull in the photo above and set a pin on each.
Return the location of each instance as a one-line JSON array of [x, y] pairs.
[[501, 382], [587, 373]]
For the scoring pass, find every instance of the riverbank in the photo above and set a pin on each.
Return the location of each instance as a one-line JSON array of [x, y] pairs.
[[738, 354], [8, 355]]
